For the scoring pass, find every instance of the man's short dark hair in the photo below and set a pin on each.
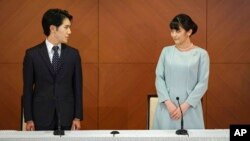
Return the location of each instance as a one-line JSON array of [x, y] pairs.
[[54, 17]]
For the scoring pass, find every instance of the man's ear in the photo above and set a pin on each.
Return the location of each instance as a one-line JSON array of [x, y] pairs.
[[52, 28]]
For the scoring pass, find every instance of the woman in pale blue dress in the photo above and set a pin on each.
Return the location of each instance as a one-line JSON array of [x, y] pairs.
[[182, 71]]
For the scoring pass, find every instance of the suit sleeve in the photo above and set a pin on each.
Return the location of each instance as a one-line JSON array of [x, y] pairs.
[[78, 87], [160, 83], [202, 84], [28, 80]]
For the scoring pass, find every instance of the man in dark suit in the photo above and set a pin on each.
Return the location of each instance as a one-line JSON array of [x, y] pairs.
[[52, 77]]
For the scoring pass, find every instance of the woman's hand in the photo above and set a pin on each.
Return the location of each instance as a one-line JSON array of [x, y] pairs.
[[184, 107], [170, 106], [177, 113]]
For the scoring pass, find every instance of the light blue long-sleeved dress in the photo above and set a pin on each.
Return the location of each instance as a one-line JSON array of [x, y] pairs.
[[182, 74]]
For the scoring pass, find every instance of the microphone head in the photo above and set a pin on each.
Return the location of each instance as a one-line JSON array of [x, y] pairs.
[[114, 132], [177, 98]]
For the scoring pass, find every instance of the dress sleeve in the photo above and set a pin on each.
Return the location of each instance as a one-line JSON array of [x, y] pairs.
[[160, 82], [202, 84]]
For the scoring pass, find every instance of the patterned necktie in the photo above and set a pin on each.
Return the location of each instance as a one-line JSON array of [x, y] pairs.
[[55, 59]]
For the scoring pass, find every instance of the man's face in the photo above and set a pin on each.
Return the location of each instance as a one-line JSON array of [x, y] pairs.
[[63, 31]]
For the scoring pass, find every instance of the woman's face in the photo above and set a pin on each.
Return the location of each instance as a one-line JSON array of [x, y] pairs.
[[180, 36]]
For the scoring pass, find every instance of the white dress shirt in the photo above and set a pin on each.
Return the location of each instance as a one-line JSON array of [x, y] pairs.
[[50, 50]]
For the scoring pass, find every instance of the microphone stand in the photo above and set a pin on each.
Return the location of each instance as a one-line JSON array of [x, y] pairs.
[[181, 131], [59, 131]]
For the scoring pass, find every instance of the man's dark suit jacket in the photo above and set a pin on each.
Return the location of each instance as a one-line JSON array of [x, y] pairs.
[[46, 92]]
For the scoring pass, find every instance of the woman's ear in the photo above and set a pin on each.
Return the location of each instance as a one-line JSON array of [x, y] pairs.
[[190, 31]]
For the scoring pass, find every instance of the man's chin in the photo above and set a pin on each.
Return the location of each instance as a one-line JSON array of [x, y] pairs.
[[65, 41]]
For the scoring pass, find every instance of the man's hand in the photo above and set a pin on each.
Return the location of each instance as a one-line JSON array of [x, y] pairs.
[[30, 126], [76, 124]]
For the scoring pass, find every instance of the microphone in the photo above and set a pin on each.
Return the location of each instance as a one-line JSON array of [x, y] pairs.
[[181, 131], [58, 131], [114, 133]]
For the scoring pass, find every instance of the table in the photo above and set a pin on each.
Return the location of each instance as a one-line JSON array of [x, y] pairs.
[[124, 135]]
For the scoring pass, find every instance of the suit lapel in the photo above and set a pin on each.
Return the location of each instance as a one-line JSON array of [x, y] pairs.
[[44, 54], [63, 56]]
